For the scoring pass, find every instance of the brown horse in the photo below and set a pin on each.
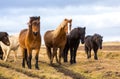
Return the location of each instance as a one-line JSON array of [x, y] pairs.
[[56, 39], [30, 39]]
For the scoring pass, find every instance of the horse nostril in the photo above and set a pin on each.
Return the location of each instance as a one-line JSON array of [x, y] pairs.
[[35, 33], [8, 44], [100, 47]]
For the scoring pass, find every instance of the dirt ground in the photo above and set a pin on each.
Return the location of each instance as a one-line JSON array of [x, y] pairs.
[[106, 67]]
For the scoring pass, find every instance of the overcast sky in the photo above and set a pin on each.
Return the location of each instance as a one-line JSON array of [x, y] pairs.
[[98, 16]]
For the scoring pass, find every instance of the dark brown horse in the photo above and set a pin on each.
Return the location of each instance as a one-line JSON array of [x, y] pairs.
[[93, 42], [73, 40], [30, 39], [56, 39]]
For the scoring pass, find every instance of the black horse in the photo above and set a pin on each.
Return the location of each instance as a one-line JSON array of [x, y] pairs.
[[93, 42], [73, 40]]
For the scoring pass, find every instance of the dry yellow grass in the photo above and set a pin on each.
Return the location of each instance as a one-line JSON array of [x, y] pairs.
[[107, 67]]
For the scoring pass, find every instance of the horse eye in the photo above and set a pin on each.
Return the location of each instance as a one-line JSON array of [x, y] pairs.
[[4, 37]]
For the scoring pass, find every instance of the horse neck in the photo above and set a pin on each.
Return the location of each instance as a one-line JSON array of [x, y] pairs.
[[58, 31]]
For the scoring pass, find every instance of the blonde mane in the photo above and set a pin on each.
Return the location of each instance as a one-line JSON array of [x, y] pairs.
[[57, 31], [56, 39]]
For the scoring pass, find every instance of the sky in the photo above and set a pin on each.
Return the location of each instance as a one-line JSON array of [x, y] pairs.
[[98, 16]]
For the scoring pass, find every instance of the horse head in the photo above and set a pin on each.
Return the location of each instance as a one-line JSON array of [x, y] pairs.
[[65, 25], [98, 40], [4, 38], [82, 34], [34, 25]]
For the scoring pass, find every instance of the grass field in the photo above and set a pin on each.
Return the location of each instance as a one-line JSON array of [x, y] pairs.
[[106, 67]]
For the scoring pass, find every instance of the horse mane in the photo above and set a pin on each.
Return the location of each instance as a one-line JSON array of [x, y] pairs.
[[97, 35], [61, 27]]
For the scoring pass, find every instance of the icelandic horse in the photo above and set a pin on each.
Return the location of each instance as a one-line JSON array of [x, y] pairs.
[[57, 39], [30, 39]]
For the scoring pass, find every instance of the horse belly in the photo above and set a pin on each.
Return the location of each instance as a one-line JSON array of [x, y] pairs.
[[61, 43]]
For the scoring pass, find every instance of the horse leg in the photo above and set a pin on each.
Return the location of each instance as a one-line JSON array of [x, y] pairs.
[[95, 54], [71, 55], [15, 56], [48, 49], [29, 57], [86, 51], [4, 53], [74, 56], [54, 54], [60, 54], [75, 51], [24, 55], [36, 57], [66, 54], [89, 54], [1, 53], [7, 54]]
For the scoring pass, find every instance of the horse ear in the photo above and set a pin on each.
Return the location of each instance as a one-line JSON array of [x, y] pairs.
[[31, 18], [65, 19], [70, 20], [6, 33], [39, 18], [102, 36], [29, 24], [84, 28]]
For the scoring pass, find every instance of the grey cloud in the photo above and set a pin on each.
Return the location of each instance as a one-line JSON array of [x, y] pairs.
[[55, 3]]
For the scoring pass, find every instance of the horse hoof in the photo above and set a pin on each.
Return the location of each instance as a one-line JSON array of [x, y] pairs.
[[71, 62], [23, 66], [59, 63], [29, 67], [74, 61], [96, 58], [37, 68], [65, 61]]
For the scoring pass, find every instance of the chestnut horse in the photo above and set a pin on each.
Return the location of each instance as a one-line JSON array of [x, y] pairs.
[[30, 39], [56, 39]]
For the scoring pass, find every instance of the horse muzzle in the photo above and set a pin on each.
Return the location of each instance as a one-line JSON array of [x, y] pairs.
[[35, 33], [100, 47], [7, 43], [82, 42]]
